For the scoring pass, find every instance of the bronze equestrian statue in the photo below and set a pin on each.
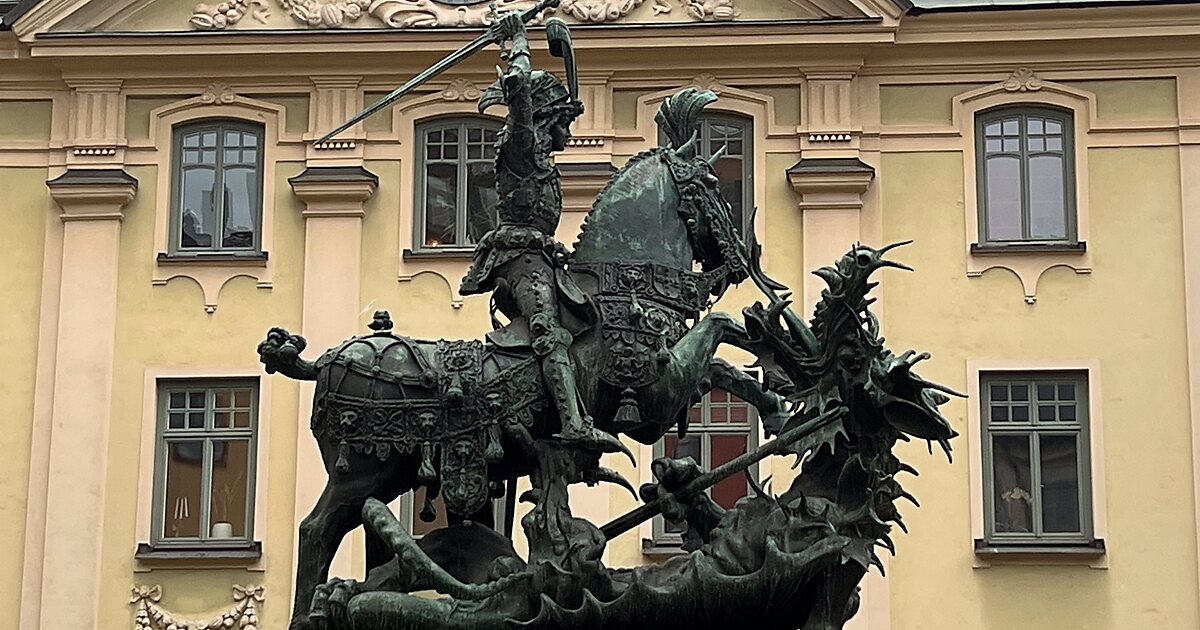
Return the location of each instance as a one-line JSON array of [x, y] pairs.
[[613, 337]]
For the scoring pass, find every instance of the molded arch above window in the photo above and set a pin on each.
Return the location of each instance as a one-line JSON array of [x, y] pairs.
[[1023, 90], [212, 273]]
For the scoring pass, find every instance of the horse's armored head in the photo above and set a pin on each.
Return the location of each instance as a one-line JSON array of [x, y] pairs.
[[716, 242]]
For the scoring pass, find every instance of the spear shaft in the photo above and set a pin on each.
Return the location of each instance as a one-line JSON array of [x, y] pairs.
[[624, 523]]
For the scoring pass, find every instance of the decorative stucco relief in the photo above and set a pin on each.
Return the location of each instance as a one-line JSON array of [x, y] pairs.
[[434, 13], [150, 615]]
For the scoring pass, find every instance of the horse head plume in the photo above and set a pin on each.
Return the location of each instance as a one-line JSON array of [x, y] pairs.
[[678, 117]]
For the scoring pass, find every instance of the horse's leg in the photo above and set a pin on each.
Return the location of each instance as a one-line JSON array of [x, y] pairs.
[[690, 361], [772, 408], [337, 512]]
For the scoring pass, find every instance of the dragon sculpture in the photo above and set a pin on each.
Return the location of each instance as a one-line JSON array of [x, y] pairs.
[[789, 561]]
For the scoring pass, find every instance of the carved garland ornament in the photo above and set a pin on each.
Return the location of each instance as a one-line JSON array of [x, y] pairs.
[[150, 615], [434, 13]]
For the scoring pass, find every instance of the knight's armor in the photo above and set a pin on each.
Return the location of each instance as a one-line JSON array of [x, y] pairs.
[[520, 260]]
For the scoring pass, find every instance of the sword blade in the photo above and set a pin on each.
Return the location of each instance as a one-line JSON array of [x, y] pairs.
[[450, 61]]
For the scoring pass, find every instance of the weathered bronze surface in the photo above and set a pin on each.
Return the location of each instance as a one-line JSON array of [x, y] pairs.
[[608, 338]]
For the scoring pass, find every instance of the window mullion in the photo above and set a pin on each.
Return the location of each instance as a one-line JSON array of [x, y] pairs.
[[1026, 195], [460, 229], [1035, 466], [206, 489], [219, 191]]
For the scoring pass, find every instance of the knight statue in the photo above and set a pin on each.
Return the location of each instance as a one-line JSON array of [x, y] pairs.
[[520, 261], [616, 337]]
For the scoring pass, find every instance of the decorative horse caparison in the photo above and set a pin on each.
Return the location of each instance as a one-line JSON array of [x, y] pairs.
[[460, 418]]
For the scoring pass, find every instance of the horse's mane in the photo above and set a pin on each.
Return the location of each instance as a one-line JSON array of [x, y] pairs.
[[677, 117], [633, 162]]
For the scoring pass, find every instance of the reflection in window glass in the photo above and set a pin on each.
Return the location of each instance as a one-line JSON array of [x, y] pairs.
[[218, 197], [457, 197], [1025, 176], [205, 463], [1036, 452]]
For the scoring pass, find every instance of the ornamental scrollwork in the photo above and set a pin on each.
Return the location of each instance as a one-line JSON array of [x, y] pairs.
[[601, 11], [403, 14], [1023, 80], [150, 615]]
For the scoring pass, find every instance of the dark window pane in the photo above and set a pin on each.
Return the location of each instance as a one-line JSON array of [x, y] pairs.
[[482, 200], [725, 448], [230, 488], [196, 400], [1066, 413], [241, 199], [420, 527], [739, 413], [999, 413], [1046, 413], [1060, 483], [1003, 198], [1047, 201], [1020, 414], [221, 419], [224, 398], [1020, 392], [1066, 391], [178, 400], [441, 201], [1012, 480], [999, 393], [175, 420], [689, 446], [1045, 391], [196, 420], [731, 173], [197, 208], [184, 475]]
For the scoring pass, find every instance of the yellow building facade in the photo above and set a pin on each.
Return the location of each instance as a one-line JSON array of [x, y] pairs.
[[1045, 159]]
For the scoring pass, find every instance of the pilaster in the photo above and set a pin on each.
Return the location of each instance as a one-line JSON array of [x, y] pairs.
[[830, 196], [92, 203], [335, 100], [334, 199], [831, 114], [96, 123]]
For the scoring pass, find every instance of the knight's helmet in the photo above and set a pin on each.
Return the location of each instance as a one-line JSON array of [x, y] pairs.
[[550, 97]]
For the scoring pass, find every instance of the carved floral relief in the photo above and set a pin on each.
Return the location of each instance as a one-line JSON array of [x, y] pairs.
[[401, 14], [150, 615]]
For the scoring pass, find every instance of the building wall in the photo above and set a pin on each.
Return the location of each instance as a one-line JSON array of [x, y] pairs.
[[904, 103]]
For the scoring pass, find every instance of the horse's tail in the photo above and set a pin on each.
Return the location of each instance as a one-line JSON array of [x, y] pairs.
[[678, 117]]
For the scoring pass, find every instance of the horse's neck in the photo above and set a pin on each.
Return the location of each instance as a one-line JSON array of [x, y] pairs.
[[637, 220]]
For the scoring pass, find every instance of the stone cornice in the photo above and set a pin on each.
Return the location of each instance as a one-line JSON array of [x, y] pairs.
[[334, 191], [93, 194]]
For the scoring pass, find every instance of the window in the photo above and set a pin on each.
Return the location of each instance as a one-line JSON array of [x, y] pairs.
[[456, 182], [1036, 458], [1026, 175], [217, 183], [205, 463], [720, 428], [736, 135]]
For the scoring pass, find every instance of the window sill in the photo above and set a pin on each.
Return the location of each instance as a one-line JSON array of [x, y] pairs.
[[662, 548], [1040, 552], [235, 553], [246, 259], [1028, 247], [447, 253]]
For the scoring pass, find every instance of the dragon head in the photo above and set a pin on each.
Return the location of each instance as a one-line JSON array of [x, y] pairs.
[[850, 279]]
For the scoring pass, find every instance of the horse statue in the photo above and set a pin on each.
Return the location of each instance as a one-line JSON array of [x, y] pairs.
[[462, 418]]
